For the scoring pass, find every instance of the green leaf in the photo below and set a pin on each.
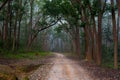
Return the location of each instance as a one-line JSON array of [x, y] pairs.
[[83, 24]]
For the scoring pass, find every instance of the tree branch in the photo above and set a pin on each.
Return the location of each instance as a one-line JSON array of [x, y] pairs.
[[104, 6], [49, 25], [3, 4], [35, 35]]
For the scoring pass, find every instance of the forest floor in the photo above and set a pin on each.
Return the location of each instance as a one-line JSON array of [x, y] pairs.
[[55, 67], [24, 68]]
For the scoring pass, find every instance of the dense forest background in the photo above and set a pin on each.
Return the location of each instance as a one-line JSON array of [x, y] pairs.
[[87, 28]]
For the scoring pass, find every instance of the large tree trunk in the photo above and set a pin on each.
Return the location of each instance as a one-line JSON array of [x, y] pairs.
[[5, 28], [95, 37], [88, 36], [15, 31], [19, 25], [99, 37], [115, 36], [10, 23], [87, 31], [5, 34], [31, 24], [77, 41], [118, 22], [99, 33], [100, 15], [93, 45], [99, 40], [88, 45], [118, 4]]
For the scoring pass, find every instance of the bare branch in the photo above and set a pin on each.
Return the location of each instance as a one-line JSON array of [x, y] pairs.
[[3, 4], [35, 35], [53, 23]]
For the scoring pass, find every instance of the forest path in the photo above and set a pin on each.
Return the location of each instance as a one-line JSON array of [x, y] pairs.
[[67, 69]]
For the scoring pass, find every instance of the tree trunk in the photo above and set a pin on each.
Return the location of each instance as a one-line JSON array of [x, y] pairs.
[[87, 31], [115, 36], [77, 41], [20, 18], [10, 23], [88, 45], [118, 5], [18, 37], [100, 15], [5, 28], [118, 22], [95, 37], [15, 28], [99, 38], [31, 24]]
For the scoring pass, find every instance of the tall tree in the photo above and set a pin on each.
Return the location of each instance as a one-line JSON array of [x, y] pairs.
[[15, 31], [101, 7], [20, 13], [115, 36], [30, 23]]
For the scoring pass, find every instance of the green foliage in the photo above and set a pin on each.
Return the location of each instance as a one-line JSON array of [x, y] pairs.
[[107, 53], [68, 9], [58, 29], [95, 8], [2, 16], [108, 56], [60, 7], [108, 7], [82, 35], [22, 55], [83, 24], [85, 2], [2, 0], [16, 6], [42, 23], [52, 7]]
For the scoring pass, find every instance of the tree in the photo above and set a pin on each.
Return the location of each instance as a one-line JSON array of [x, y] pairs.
[[68, 13], [115, 36], [100, 14]]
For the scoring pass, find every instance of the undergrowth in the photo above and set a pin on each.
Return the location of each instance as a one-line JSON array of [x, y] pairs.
[[21, 55]]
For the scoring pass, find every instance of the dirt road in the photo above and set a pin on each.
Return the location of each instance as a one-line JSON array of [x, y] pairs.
[[67, 69]]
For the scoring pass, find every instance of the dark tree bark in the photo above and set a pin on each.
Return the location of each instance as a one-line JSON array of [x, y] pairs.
[[77, 40], [5, 28], [115, 36], [100, 15]]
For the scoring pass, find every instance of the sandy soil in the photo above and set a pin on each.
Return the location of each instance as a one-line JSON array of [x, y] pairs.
[[67, 69]]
